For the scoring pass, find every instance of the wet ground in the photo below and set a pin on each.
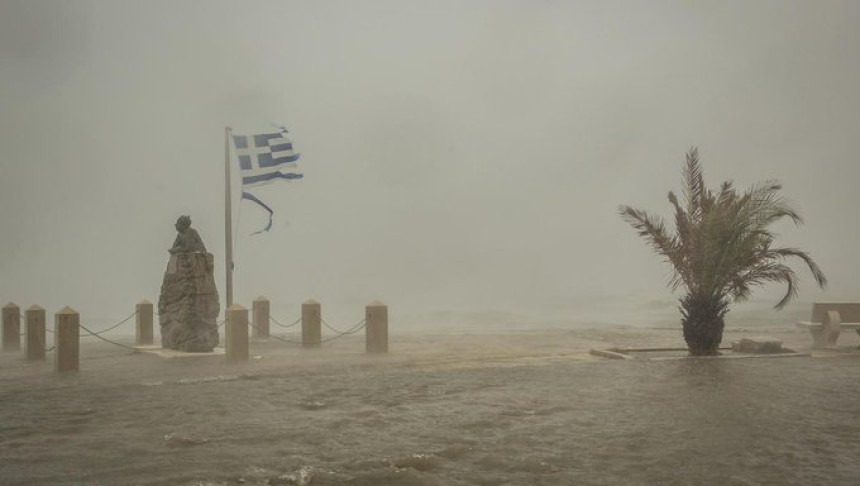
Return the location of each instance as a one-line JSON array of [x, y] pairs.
[[486, 408]]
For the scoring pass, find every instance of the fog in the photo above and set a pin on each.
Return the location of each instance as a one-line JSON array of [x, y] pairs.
[[459, 157]]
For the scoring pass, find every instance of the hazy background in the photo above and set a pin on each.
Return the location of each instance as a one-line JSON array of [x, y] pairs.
[[462, 159]]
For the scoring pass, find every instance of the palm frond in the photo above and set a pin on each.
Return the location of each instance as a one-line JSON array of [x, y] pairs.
[[694, 186], [654, 231], [817, 274]]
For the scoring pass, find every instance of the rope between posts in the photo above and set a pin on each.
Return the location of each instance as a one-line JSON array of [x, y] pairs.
[[114, 326], [285, 327], [106, 339], [354, 329], [279, 338], [284, 340]]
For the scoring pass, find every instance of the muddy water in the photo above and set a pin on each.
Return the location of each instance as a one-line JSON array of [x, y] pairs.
[[442, 409]]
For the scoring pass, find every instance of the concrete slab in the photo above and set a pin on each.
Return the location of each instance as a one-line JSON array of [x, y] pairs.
[[836, 353], [631, 353], [165, 353]]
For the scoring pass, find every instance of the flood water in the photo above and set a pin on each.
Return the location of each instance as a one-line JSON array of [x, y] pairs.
[[440, 409]]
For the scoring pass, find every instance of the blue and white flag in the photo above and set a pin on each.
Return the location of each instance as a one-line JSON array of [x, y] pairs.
[[265, 158]]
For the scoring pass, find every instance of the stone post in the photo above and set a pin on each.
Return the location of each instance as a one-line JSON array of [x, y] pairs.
[[11, 327], [260, 316], [376, 327], [311, 318], [143, 323], [66, 340], [35, 317], [237, 334]]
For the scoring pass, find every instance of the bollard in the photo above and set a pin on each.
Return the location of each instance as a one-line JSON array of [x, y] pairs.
[[311, 318], [236, 334], [143, 323], [35, 317], [376, 327], [11, 327], [66, 340], [260, 316]]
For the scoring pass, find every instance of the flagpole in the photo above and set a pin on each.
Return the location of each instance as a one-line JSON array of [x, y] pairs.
[[228, 218]]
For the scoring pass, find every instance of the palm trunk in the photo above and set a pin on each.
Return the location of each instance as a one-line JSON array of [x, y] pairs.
[[702, 320]]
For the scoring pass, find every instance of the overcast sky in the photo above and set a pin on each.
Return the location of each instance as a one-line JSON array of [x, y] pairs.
[[458, 155]]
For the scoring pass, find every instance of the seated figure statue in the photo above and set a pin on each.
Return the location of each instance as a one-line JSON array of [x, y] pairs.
[[188, 240]]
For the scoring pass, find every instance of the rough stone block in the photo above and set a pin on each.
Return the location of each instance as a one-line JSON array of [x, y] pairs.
[[758, 345], [188, 305]]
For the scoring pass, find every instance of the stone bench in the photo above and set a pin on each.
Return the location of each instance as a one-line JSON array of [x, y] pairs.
[[829, 319]]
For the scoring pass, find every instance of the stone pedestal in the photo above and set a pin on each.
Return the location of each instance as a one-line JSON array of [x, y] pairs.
[[237, 334], [376, 328], [66, 340], [11, 327], [260, 311], [143, 323], [311, 318], [188, 305], [35, 317]]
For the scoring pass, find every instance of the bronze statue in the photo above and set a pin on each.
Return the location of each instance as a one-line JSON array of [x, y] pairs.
[[188, 240]]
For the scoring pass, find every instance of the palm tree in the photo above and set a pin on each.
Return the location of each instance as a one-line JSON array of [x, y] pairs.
[[720, 249]]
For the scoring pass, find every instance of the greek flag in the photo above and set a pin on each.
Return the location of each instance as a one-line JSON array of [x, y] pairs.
[[265, 158]]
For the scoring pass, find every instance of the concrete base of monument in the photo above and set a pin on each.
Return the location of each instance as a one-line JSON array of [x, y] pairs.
[[166, 353]]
